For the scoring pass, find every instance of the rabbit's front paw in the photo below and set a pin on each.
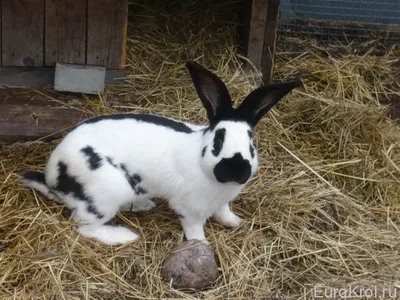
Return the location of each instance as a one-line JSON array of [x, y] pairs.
[[226, 217], [193, 229]]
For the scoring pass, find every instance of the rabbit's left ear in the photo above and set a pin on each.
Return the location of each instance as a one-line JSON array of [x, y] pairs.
[[212, 91], [262, 99]]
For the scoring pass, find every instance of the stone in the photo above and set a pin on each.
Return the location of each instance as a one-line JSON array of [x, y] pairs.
[[191, 265]]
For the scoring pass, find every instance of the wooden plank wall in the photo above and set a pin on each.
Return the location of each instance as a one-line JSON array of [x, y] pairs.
[[259, 33], [28, 114], [22, 33], [104, 42], [66, 44], [36, 33]]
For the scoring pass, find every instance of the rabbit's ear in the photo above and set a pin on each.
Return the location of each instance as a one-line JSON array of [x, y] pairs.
[[212, 91], [262, 99]]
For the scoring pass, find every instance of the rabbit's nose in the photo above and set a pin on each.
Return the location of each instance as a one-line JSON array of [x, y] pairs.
[[233, 169]]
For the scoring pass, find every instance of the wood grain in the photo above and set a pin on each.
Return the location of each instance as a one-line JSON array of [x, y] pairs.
[[255, 42], [270, 37], [22, 33], [28, 77], [65, 32], [25, 116], [107, 23], [1, 16]]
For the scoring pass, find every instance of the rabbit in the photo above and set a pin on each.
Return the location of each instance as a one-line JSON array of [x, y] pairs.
[[119, 162]]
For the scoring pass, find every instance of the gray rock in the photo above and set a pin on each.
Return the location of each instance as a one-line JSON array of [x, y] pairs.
[[191, 265]]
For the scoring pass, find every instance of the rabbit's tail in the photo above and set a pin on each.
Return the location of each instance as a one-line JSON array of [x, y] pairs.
[[36, 181]]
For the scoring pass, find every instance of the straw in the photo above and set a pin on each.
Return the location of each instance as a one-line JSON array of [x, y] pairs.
[[324, 207]]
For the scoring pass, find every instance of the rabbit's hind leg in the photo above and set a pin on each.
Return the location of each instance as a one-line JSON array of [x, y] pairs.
[[96, 228], [96, 201]]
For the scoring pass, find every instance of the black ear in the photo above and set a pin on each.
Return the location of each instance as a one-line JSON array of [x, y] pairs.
[[212, 91], [262, 99]]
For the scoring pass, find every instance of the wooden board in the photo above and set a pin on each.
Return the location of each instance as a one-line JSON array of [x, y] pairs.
[[25, 77], [65, 32], [22, 32], [27, 115], [270, 36], [256, 15], [107, 24], [1, 15], [259, 32]]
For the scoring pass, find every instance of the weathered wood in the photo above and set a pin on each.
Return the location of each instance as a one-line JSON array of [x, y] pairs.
[[65, 32], [256, 30], [26, 115], [1, 16], [107, 26], [18, 76], [245, 28], [270, 37], [259, 31], [22, 32]]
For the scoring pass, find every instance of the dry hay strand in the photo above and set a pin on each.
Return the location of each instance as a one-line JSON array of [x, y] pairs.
[[323, 209]]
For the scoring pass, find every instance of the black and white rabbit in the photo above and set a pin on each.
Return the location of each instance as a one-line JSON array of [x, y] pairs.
[[119, 162]]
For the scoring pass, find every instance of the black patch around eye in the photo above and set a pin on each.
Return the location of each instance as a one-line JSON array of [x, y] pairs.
[[68, 184], [252, 151], [250, 134], [203, 152], [93, 159], [219, 139]]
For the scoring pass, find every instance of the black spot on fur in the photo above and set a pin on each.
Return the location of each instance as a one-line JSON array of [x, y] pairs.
[[68, 184], [111, 162], [153, 119], [134, 180], [140, 191], [93, 210], [219, 139], [34, 176], [203, 152], [234, 169], [181, 216], [252, 151], [94, 159]]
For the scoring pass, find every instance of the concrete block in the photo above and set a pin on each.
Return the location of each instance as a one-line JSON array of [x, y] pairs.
[[79, 78]]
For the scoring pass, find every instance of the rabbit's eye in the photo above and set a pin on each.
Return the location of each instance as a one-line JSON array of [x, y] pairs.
[[250, 134], [251, 151], [219, 139]]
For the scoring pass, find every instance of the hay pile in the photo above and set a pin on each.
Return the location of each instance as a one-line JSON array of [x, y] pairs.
[[323, 209]]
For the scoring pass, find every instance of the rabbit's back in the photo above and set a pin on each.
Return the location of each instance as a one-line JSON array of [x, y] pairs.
[[154, 152]]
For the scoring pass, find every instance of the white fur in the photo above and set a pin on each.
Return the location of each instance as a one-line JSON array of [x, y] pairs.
[[110, 235], [189, 169], [39, 187], [170, 164]]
